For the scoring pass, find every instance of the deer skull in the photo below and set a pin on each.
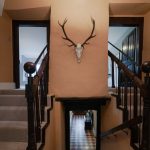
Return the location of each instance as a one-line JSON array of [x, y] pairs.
[[79, 50], [78, 47]]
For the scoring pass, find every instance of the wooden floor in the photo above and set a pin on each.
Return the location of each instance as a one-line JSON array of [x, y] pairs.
[[81, 139]]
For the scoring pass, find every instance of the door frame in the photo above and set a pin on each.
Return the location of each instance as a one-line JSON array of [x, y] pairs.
[[82, 103], [67, 123], [130, 21], [67, 126], [15, 34]]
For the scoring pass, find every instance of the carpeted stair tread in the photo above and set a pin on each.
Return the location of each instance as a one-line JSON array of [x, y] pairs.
[[13, 124], [13, 107], [14, 131], [13, 113], [13, 100], [13, 145], [12, 92]]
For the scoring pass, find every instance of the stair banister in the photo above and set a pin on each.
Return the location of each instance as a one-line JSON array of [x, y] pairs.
[[30, 68], [146, 109], [36, 94], [124, 54], [135, 107]]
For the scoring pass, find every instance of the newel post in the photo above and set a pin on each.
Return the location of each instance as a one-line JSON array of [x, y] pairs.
[[146, 110], [30, 68]]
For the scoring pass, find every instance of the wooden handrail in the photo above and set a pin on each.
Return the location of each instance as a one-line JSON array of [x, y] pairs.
[[138, 82], [37, 60], [128, 57]]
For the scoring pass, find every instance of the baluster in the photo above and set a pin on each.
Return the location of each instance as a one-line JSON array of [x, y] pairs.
[[112, 71], [42, 98], [125, 111], [119, 89], [37, 106], [30, 69], [146, 109], [135, 128], [135, 102]]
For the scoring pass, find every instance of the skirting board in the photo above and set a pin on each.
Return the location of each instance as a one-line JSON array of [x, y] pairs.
[[7, 85]]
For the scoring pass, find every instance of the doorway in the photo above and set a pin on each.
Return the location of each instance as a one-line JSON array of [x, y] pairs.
[[83, 104], [126, 33], [83, 129], [29, 39]]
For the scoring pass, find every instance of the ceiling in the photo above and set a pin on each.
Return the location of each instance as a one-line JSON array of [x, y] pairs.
[[41, 9], [40, 13], [129, 8]]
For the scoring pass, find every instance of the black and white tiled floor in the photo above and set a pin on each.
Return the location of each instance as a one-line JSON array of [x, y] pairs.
[[81, 139]]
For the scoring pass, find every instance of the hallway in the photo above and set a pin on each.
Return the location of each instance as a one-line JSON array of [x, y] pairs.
[[81, 139]]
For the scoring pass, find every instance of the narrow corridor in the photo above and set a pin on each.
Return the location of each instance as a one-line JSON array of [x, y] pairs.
[[81, 139]]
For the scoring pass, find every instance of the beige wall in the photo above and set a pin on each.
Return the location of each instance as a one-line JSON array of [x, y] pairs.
[[55, 133], [146, 40], [50, 133], [59, 126], [67, 77], [6, 67]]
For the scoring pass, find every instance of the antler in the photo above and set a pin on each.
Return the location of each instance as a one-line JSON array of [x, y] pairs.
[[91, 35], [65, 34]]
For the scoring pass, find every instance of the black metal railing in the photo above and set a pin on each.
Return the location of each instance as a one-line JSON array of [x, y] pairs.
[[133, 98], [36, 94]]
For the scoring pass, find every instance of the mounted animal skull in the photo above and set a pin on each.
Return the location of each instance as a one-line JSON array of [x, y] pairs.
[[78, 47]]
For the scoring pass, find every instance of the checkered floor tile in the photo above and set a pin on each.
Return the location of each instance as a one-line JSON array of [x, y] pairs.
[[81, 139]]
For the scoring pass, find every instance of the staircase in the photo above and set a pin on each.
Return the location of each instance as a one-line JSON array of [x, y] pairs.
[[132, 99], [13, 120], [117, 141], [117, 133]]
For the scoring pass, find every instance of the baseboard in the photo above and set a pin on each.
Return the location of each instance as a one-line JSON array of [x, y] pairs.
[[7, 85]]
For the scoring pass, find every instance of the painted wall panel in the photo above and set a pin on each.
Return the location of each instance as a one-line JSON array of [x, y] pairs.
[[67, 77]]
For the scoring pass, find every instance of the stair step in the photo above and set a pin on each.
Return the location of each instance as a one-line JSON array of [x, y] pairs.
[[13, 113], [13, 131], [12, 100], [15, 145], [13, 120], [12, 92]]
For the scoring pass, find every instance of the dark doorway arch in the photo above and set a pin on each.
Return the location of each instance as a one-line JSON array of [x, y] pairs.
[[82, 104]]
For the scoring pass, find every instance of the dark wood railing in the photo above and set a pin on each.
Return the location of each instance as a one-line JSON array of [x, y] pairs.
[[133, 98], [36, 94], [129, 61]]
